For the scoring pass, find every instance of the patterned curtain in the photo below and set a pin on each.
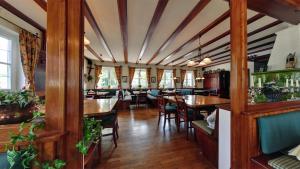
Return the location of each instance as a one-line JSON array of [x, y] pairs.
[[182, 74], [174, 75], [118, 70], [195, 76], [149, 76], [131, 74], [30, 47], [98, 70], [160, 73]]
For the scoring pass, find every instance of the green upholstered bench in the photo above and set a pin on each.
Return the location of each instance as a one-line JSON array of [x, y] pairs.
[[277, 134], [202, 124], [207, 139]]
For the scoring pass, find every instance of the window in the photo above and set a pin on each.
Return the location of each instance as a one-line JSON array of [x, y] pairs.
[[5, 63], [139, 79], [108, 78], [167, 80], [189, 79]]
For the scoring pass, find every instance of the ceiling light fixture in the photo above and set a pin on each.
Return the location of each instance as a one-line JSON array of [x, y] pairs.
[[86, 41]]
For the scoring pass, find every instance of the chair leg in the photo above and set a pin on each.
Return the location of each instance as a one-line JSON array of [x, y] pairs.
[[165, 114], [159, 116], [117, 132], [114, 136], [187, 129], [177, 122]]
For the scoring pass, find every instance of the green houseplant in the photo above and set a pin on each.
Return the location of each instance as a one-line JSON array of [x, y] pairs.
[[16, 107], [92, 132], [27, 156]]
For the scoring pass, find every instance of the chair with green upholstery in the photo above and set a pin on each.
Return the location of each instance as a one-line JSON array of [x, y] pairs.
[[186, 115], [166, 110]]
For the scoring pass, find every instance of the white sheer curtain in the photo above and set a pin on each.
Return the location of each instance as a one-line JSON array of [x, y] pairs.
[[189, 79], [108, 78], [167, 79]]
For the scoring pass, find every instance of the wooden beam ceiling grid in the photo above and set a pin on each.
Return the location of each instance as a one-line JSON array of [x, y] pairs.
[[122, 8], [201, 33], [224, 34], [277, 22], [197, 9], [161, 5]]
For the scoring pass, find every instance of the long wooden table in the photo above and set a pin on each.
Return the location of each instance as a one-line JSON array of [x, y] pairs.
[[99, 107], [197, 101]]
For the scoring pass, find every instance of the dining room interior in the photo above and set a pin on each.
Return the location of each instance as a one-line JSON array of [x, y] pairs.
[[140, 84]]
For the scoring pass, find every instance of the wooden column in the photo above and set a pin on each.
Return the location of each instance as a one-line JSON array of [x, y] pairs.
[[64, 105], [238, 76]]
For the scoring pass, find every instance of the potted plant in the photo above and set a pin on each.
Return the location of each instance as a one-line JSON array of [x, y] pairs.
[[16, 107], [92, 132], [27, 156]]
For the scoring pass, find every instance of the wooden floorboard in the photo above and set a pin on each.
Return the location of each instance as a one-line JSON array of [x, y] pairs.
[[143, 145]]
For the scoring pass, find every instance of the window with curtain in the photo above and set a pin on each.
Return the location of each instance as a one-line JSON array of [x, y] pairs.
[[189, 79], [108, 78], [167, 80], [5, 63], [11, 71], [139, 78]]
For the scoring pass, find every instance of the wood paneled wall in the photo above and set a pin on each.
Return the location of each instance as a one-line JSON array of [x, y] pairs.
[[64, 104]]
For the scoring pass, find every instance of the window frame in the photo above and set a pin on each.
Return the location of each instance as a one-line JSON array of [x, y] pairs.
[[185, 82], [139, 78], [165, 78], [109, 77]]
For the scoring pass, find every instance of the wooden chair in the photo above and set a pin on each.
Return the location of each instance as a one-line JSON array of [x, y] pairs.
[[186, 115], [166, 110], [111, 121]]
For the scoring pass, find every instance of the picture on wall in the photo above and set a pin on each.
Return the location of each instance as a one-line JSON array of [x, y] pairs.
[[153, 79], [124, 79]]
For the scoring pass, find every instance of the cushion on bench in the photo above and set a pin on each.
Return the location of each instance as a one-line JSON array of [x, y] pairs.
[[284, 162], [154, 92], [279, 132], [203, 125]]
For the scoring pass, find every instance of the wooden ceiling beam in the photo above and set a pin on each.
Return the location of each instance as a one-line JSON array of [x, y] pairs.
[[249, 43], [122, 8], [257, 30], [42, 4], [196, 10], [88, 47], [201, 33], [284, 10], [251, 20], [228, 58], [255, 47], [21, 15], [161, 5], [92, 21]]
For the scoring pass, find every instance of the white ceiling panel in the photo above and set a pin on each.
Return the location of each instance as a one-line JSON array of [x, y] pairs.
[[173, 15], [95, 43], [140, 14], [107, 17], [211, 12], [30, 9]]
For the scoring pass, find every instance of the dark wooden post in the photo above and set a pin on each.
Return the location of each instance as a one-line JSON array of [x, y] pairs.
[[238, 76], [64, 105]]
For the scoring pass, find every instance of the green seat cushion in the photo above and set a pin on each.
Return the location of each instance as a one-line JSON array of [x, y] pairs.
[[171, 108], [279, 132], [186, 91], [5, 165], [154, 92], [284, 162], [202, 124]]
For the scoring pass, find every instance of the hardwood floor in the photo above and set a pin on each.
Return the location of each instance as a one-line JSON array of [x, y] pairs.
[[143, 145]]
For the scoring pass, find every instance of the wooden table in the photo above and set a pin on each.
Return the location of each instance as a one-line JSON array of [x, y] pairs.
[[99, 107], [197, 101]]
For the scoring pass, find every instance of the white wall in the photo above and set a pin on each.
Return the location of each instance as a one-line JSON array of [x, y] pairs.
[[125, 72], [287, 41]]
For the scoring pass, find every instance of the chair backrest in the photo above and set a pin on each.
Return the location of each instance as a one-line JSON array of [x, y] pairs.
[[161, 103], [279, 132], [181, 105]]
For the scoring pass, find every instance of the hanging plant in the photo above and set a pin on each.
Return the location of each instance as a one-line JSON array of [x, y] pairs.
[[27, 157], [92, 132]]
